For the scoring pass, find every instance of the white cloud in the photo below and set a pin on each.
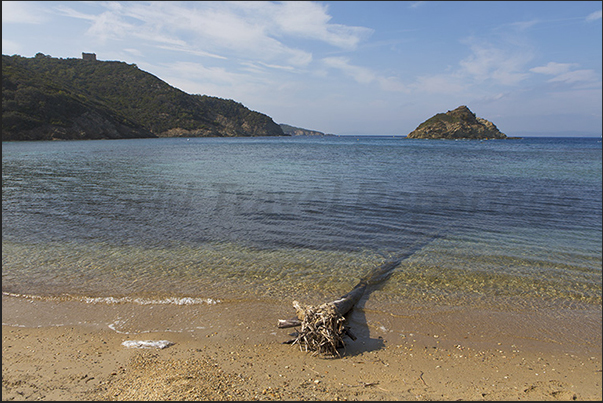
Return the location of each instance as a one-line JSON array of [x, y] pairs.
[[110, 26], [188, 50], [256, 31], [276, 66], [499, 65], [21, 12], [69, 12], [134, 52], [200, 73], [364, 75], [360, 74], [564, 74], [416, 4], [524, 25], [577, 76], [597, 15], [553, 68], [195, 78], [482, 72], [493, 97], [310, 20]]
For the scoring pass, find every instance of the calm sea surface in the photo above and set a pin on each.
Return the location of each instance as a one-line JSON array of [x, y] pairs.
[[196, 221]]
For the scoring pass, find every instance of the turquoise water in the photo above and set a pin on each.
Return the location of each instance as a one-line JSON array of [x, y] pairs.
[[196, 221]]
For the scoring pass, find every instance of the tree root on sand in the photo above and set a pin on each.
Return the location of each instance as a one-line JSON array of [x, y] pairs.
[[322, 329]]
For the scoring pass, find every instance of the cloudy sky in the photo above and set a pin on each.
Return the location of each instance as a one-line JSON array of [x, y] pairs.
[[532, 68]]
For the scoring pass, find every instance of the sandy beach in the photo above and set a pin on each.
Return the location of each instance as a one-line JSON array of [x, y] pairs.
[[241, 356]]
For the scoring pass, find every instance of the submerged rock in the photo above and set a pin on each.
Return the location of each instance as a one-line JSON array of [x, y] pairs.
[[459, 123]]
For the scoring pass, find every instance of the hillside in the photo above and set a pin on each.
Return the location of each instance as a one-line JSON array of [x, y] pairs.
[[45, 98], [298, 131], [459, 123]]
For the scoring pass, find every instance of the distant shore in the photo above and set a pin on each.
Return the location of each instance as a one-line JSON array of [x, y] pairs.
[[236, 353]]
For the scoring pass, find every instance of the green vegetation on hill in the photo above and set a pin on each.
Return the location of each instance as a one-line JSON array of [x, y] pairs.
[[439, 117], [50, 98], [459, 123]]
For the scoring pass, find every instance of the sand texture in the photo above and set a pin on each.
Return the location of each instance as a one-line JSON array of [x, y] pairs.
[[243, 358]]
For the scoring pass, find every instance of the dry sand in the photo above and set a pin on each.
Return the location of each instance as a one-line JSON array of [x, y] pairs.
[[241, 357]]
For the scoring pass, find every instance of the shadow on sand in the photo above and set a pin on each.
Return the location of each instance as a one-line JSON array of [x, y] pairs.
[[322, 328]]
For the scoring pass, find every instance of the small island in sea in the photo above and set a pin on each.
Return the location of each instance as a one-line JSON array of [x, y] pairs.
[[459, 123]]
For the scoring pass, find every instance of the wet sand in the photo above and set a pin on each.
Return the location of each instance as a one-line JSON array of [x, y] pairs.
[[236, 353]]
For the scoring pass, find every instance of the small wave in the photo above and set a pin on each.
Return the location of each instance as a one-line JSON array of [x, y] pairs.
[[113, 326], [120, 300]]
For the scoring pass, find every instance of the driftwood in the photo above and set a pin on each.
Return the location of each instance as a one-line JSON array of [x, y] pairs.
[[323, 328]]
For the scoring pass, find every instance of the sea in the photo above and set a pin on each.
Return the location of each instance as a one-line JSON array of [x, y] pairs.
[[505, 225]]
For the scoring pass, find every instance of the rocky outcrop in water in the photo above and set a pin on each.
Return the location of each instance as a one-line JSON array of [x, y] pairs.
[[459, 123]]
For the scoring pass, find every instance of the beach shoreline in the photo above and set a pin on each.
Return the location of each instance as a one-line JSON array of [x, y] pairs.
[[237, 353]]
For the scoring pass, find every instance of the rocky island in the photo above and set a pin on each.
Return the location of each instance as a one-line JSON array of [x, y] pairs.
[[459, 123]]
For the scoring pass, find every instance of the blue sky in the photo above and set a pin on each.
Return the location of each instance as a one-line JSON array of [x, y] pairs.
[[532, 68]]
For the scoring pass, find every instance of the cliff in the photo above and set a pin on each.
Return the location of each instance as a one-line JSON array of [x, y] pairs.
[[45, 98], [459, 123]]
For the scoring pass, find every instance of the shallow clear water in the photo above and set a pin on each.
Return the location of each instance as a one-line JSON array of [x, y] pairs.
[[194, 221]]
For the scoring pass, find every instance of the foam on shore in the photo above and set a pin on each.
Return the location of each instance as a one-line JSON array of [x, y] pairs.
[[119, 300]]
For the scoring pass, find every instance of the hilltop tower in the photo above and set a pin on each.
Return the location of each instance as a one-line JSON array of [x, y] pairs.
[[89, 56]]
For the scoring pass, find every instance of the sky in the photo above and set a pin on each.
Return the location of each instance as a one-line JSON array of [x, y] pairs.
[[347, 67]]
